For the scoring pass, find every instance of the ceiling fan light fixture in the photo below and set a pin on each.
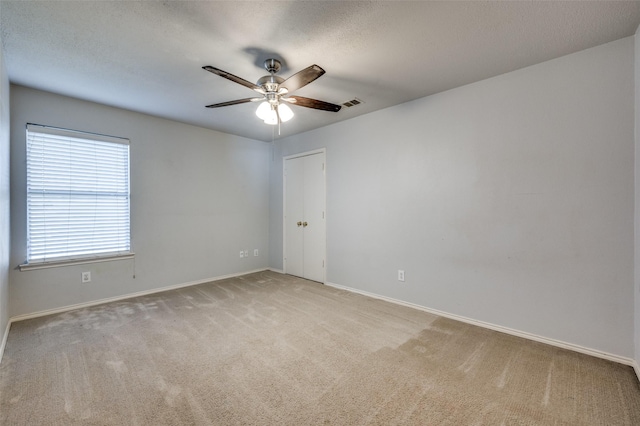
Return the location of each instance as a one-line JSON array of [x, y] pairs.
[[268, 114], [272, 120], [285, 112], [264, 111]]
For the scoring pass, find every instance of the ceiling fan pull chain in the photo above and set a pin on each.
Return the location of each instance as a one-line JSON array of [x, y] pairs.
[[278, 115]]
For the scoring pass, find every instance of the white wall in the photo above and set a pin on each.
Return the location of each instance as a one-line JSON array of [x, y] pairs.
[[197, 198], [509, 201], [4, 196]]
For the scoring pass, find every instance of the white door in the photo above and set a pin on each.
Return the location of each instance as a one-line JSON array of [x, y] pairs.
[[294, 216], [304, 216]]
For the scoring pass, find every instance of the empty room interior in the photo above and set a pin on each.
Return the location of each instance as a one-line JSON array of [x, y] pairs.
[[319, 212]]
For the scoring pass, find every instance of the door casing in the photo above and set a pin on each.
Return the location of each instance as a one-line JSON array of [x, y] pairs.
[[284, 208]]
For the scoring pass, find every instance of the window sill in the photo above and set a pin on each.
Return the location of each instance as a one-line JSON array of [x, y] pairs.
[[71, 262]]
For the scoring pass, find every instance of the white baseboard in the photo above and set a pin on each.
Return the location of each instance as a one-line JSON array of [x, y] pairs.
[[125, 296], [4, 339], [553, 342], [279, 271]]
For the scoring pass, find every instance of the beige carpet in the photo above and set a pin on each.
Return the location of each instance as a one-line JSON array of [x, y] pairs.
[[270, 349]]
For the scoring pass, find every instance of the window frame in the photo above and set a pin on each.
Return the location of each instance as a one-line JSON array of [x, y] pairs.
[[58, 260]]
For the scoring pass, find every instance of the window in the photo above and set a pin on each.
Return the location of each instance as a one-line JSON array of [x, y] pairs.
[[77, 195]]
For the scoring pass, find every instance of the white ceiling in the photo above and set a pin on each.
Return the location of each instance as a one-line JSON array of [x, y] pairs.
[[147, 56]]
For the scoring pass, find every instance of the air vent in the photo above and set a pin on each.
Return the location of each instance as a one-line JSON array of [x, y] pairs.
[[352, 102]]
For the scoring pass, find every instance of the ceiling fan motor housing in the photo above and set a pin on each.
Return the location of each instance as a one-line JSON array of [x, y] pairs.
[[270, 83]]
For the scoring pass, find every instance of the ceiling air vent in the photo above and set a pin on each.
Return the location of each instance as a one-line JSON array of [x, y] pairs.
[[352, 102]]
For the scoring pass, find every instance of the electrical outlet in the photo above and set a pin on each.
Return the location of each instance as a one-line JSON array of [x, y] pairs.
[[400, 275], [246, 253], [86, 277], [255, 252], [241, 254]]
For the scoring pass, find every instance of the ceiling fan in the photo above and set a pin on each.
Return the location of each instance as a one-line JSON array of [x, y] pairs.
[[276, 92]]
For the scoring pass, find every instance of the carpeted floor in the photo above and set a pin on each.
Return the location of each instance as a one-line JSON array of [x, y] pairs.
[[271, 349]]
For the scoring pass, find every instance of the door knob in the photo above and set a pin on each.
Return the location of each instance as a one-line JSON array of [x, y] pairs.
[[299, 223], [304, 224]]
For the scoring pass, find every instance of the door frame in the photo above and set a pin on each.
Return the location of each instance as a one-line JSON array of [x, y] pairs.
[[284, 206]]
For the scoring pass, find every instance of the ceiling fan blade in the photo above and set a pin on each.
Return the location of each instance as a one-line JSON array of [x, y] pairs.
[[233, 78], [302, 78], [312, 103], [236, 102]]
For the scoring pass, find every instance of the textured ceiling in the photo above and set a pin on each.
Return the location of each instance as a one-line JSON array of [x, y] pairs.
[[147, 56]]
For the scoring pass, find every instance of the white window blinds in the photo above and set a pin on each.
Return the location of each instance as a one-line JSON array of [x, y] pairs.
[[77, 195]]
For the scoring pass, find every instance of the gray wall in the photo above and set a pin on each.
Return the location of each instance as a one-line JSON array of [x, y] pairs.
[[637, 200], [197, 198], [509, 201], [4, 195]]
